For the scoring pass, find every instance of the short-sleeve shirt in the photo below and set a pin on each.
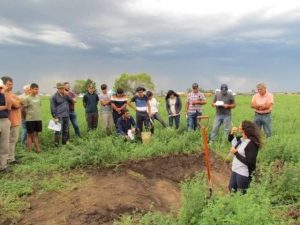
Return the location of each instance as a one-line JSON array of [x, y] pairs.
[[261, 100], [140, 103], [227, 99], [105, 108], [195, 97], [3, 113], [32, 105], [119, 102]]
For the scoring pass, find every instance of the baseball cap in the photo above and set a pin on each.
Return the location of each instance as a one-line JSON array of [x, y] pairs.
[[195, 85], [224, 88]]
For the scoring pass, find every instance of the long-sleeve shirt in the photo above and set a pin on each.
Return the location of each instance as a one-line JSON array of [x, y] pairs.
[[244, 161], [178, 106], [90, 102], [125, 124], [60, 105]]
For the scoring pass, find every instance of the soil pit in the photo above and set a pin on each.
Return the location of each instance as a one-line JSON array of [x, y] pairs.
[[132, 187]]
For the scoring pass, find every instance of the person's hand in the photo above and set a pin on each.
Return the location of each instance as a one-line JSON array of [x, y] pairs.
[[56, 120], [226, 106], [234, 130], [233, 150]]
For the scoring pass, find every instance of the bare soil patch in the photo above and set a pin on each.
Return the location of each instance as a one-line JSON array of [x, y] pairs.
[[143, 186]]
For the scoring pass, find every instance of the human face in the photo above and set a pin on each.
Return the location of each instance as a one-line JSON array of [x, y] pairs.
[[104, 91], [172, 96], [91, 89], [67, 87], [127, 115], [261, 90], [27, 91], [9, 85], [140, 94], [195, 89], [61, 90], [34, 91]]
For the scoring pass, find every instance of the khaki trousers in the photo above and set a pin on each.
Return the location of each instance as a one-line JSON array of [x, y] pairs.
[[4, 141], [107, 121], [13, 139]]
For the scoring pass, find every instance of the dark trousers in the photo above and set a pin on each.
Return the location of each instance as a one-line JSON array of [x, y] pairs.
[[238, 182], [92, 120], [157, 117], [175, 119], [64, 132], [73, 119], [116, 116], [142, 118]]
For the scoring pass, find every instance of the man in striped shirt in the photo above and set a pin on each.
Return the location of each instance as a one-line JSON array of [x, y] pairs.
[[193, 109]]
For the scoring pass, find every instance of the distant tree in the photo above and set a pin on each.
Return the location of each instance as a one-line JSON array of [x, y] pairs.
[[129, 82], [78, 86], [87, 83]]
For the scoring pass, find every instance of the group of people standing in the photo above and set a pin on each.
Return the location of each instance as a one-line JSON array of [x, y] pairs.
[[25, 111]]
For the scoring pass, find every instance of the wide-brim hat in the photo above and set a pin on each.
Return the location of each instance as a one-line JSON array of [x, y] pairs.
[[59, 85]]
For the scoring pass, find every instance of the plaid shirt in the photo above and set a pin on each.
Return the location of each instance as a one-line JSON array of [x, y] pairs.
[[195, 97]]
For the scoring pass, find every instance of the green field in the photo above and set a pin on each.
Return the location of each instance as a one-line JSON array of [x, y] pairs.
[[270, 200]]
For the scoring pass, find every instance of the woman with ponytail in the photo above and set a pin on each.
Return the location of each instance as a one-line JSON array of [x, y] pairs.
[[245, 149]]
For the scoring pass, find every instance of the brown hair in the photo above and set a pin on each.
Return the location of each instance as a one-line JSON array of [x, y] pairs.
[[252, 132]]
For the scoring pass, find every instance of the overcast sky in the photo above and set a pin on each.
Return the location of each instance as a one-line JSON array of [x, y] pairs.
[[177, 42]]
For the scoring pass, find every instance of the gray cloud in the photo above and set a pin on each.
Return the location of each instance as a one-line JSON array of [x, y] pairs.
[[51, 40]]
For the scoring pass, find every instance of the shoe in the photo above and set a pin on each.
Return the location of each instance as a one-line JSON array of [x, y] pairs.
[[14, 161], [5, 170]]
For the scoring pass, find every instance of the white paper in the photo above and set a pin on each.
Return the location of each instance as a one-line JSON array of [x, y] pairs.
[[219, 103], [54, 126], [130, 134]]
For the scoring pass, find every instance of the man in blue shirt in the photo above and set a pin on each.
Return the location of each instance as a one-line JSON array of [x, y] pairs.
[[126, 123], [142, 108]]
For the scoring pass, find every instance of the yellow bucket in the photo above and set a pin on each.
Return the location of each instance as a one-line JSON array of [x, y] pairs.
[[146, 137]]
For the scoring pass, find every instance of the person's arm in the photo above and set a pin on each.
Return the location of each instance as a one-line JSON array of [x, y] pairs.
[[251, 151], [168, 107], [213, 104], [254, 104], [53, 106], [84, 101], [231, 104], [149, 107], [179, 105], [129, 103], [16, 102], [69, 99], [104, 102], [201, 101]]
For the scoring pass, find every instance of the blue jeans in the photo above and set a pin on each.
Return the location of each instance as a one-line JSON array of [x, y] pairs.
[[175, 119], [192, 122], [73, 119], [24, 132], [238, 182], [219, 119], [264, 121]]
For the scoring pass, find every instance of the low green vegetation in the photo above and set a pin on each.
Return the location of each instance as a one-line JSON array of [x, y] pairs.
[[273, 193]]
